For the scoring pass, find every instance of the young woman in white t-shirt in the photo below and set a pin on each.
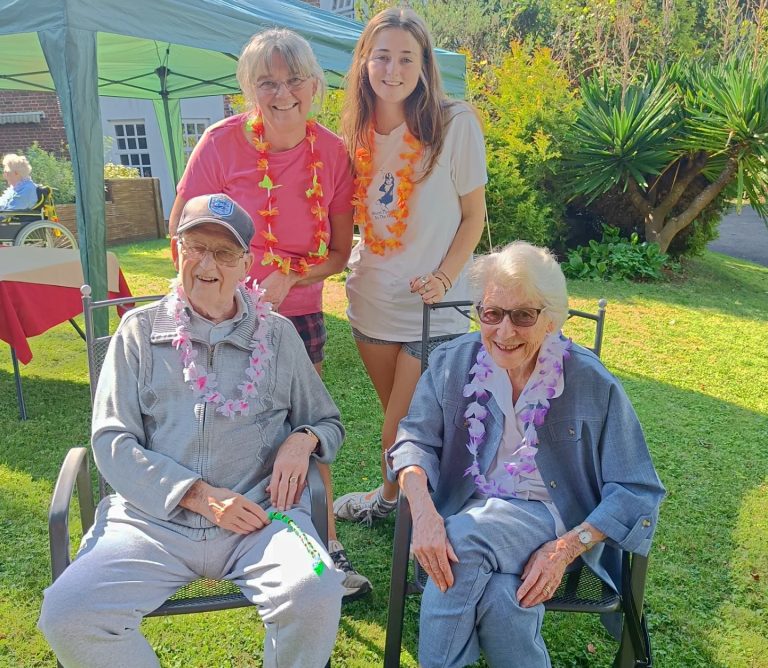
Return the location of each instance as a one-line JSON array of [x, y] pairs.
[[419, 206]]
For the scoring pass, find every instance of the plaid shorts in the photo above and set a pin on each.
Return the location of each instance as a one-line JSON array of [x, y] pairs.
[[311, 329]]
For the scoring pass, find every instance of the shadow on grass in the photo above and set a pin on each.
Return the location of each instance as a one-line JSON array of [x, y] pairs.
[[749, 282]]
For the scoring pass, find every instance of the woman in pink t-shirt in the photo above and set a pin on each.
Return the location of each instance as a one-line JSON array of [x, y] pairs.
[[294, 178]]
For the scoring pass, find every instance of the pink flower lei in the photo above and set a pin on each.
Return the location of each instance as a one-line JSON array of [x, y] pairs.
[[536, 396], [204, 384]]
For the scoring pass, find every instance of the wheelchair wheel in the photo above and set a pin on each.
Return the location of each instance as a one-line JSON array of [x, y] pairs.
[[45, 234]]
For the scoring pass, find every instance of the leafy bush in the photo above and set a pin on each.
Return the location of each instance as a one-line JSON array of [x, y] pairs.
[[615, 258], [113, 171], [527, 105], [51, 171]]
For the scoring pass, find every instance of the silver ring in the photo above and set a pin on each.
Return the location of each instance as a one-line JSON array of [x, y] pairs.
[[293, 478], [424, 280]]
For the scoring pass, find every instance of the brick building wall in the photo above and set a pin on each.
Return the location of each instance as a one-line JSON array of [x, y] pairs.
[[49, 132]]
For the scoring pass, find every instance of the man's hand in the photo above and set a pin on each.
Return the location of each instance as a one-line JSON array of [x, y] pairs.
[[225, 508], [289, 474], [276, 287]]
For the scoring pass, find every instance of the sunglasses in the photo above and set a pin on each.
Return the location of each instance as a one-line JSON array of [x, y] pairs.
[[221, 256], [521, 317]]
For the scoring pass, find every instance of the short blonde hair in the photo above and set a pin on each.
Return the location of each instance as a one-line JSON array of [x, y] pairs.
[[17, 163], [533, 269], [256, 61]]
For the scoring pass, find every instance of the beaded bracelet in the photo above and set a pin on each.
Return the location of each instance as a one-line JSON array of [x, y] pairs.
[[445, 287], [317, 563], [445, 276]]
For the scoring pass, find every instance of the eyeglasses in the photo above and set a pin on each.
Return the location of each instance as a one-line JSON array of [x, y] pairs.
[[521, 317], [221, 256], [270, 87]]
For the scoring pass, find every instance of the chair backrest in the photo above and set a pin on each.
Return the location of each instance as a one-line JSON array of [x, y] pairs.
[[96, 346], [429, 343]]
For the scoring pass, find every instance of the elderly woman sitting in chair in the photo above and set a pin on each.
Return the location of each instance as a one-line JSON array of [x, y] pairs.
[[520, 454], [21, 193]]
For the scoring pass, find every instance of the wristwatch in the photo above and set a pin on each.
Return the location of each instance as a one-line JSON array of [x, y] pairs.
[[307, 430], [586, 538]]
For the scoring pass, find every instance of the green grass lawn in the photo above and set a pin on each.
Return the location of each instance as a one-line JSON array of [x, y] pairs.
[[692, 355]]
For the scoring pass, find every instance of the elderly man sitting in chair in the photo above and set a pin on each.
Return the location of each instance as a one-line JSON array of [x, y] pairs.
[[205, 416]]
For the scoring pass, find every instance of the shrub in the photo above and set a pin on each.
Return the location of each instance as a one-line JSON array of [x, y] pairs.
[[615, 258], [527, 105], [113, 171], [51, 171]]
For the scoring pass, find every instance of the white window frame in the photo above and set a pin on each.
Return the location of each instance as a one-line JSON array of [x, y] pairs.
[[132, 145], [190, 139]]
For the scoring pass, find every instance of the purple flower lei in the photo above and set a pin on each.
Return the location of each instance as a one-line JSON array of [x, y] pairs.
[[204, 384], [536, 396]]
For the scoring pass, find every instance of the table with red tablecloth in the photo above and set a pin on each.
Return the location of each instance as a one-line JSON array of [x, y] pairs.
[[40, 288]]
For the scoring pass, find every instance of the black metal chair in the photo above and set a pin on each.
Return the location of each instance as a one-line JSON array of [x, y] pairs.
[[203, 595], [38, 226], [579, 591]]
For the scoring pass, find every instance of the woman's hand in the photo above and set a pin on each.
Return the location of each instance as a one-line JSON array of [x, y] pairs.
[[431, 289], [289, 472], [276, 287], [544, 571], [431, 546]]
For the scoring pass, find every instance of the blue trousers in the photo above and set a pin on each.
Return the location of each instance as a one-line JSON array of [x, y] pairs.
[[493, 541]]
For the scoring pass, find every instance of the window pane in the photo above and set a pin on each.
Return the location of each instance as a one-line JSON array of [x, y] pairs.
[[134, 159], [142, 142], [145, 158], [132, 142], [124, 160], [147, 171], [140, 129], [119, 131], [200, 128], [121, 143], [130, 130]]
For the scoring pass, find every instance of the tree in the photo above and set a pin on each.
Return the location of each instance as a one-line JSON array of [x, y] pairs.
[[674, 142]]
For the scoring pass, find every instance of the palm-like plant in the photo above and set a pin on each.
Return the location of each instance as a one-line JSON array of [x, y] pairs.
[[655, 138]]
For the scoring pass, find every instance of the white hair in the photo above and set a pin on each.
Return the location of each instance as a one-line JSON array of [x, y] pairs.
[[533, 269], [17, 163]]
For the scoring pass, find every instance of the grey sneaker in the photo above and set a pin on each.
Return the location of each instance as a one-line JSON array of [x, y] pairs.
[[355, 585], [356, 508]]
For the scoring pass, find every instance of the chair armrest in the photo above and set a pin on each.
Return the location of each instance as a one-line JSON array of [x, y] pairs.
[[318, 499], [73, 475]]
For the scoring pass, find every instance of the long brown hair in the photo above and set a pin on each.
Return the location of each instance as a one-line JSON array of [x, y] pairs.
[[426, 108]]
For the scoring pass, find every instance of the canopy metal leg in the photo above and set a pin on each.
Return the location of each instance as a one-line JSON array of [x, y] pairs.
[[19, 391]]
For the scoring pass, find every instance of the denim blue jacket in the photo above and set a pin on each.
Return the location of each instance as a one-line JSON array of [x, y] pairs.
[[592, 452]]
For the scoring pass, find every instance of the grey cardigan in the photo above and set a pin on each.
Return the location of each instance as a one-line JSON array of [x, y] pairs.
[[152, 438], [592, 453]]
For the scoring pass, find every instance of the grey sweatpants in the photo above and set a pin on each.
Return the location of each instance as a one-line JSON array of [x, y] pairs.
[[127, 567]]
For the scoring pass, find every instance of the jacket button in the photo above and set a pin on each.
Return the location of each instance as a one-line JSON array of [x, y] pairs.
[[646, 523], [571, 431], [552, 484]]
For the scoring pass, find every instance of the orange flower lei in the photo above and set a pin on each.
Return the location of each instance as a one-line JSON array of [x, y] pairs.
[[314, 194], [364, 170]]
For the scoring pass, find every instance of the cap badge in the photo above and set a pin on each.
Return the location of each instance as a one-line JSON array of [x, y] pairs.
[[221, 206]]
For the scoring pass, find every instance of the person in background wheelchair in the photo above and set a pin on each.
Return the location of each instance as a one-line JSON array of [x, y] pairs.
[[205, 416], [21, 193], [519, 455]]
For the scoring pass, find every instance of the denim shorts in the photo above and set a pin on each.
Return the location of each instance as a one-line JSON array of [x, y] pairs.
[[413, 348]]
